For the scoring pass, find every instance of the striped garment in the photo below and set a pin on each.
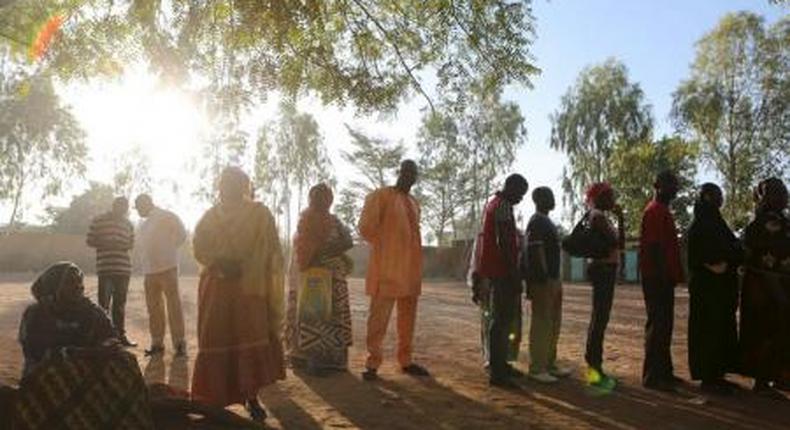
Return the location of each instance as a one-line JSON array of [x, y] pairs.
[[113, 238]]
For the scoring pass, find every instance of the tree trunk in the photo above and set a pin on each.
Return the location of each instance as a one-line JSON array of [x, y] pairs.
[[17, 201], [299, 197], [475, 190]]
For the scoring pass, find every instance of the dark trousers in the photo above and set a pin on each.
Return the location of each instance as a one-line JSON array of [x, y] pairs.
[[112, 292], [660, 306], [505, 303], [602, 277]]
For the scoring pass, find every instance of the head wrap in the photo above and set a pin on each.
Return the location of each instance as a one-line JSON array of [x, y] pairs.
[[314, 227], [704, 207], [46, 286], [321, 197], [771, 194], [596, 190], [234, 179]]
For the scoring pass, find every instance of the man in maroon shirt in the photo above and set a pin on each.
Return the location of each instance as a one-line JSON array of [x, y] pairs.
[[499, 263], [659, 257]]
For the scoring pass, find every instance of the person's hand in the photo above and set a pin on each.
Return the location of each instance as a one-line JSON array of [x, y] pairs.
[[480, 291], [717, 268], [111, 342]]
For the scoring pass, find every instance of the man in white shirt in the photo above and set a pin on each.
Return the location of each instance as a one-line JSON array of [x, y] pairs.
[[160, 235]]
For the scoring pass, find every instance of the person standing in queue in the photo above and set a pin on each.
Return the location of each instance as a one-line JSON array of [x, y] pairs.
[[499, 263], [661, 269], [390, 223]]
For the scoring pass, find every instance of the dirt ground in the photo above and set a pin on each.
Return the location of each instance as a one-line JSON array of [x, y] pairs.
[[457, 396]]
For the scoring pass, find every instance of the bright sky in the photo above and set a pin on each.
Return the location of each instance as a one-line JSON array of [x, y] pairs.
[[655, 39]]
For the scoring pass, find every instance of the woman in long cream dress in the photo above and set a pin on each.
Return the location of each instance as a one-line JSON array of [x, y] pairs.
[[240, 303]]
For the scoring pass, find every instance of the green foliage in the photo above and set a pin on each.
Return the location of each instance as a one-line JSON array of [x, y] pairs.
[[77, 217], [737, 104], [347, 208], [465, 145], [494, 130], [290, 157], [132, 173], [266, 172], [489, 132], [41, 144], [227, 145], [301, 150], [633, 168], [371, 53], [601, 112], [376, 159], [442, 180]]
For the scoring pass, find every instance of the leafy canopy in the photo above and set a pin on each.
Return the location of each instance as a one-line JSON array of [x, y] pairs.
[[41, 144], [601, 112], [736, 103], [371, 53], [633, 168]]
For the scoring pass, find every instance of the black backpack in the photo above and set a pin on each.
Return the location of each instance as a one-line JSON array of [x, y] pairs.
[[586, 242]]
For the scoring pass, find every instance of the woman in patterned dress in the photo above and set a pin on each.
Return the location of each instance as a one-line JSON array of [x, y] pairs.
[[318, 331]]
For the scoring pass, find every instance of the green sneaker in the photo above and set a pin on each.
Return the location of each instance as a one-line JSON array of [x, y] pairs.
[[597, 378]]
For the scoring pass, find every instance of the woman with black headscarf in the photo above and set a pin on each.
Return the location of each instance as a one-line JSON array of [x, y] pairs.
[[62, 316], [714, 254], [76, 374], [765, 297]]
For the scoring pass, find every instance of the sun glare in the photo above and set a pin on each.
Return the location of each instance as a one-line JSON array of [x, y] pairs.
[[138, 111]]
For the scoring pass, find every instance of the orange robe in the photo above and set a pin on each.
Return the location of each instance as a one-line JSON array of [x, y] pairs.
[[390, 223], [240, 311]]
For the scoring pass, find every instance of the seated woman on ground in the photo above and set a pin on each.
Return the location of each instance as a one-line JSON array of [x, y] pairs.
[[62, 317], [75, 375]]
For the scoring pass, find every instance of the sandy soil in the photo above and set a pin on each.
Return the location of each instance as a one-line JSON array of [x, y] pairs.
[[458, 396]]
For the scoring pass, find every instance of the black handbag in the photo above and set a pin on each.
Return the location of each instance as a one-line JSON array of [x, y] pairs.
[[586, 242]]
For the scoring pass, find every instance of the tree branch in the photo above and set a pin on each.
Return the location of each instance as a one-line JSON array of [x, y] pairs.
[[401, 60]]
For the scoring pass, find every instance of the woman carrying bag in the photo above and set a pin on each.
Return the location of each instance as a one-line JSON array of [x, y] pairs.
[[596, 238]]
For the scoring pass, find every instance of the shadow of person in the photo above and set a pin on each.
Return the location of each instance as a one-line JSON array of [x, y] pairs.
[[288, 413], [425, 402], [633, 407], [154, 372]]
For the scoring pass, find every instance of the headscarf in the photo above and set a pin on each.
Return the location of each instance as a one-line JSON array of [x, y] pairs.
[[46, 286], [236, 180], [315, 225], [595, 190], [709, 236], [702, 206], [771, 194]]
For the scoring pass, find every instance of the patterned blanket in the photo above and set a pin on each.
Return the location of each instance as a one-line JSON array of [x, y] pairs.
[[96, 389]]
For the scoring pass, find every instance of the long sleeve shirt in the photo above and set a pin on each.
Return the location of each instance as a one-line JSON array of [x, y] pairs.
[[390, 223], [113, 238], [160, 235]]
